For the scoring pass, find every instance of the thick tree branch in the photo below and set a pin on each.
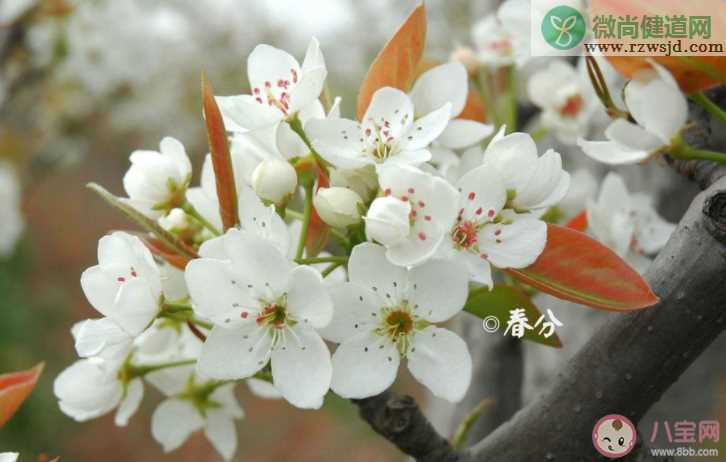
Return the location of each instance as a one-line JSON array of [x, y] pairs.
[[628, 364], [399, 419]]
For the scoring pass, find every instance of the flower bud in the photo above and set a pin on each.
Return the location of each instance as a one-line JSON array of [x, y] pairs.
[[274, 180], [175, 221], [363, 181], [338, 207], [387, 220]]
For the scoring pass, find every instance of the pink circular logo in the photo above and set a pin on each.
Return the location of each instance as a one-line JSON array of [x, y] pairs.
[[614, 436]]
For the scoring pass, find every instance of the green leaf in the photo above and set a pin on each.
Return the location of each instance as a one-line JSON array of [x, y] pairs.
[[498, 302], [145, 222]]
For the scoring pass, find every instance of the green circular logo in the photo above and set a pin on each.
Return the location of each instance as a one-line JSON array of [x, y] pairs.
[[563, 27]]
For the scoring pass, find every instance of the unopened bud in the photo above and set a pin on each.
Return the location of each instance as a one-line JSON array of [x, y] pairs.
[[387, 220], [175, 221], [274, 180], [338, 207]]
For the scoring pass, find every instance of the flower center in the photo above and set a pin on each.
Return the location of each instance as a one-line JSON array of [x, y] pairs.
[[464, 234], [398, 324], [274, 314], [572, 106]]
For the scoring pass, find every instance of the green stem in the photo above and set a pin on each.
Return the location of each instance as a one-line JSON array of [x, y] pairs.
[[710, 106], [189, 209], [332, 267], [510, 101], [176, 307], [540, 133], [296, 125], [460, 435], [140, 371], [307, 212], [332, 259], [705, 154]]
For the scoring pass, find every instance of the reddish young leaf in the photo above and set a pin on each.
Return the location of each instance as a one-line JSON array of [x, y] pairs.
[[221, 158], [318, 231], [474, 107], [578, 222], [578, 268], [396, 64], [159, 249], [15, 388], [499, 301]]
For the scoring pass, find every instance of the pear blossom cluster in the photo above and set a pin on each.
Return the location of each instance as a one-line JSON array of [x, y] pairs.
[[352, 240]]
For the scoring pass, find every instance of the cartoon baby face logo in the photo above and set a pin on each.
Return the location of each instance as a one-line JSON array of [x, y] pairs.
[[614, 436]]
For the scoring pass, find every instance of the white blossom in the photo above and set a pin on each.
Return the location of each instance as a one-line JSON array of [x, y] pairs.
[[264, 309], [274, 180], [280, 88], [627, 223], [388, 133], [385, 313], [157, 180], [660, 111]]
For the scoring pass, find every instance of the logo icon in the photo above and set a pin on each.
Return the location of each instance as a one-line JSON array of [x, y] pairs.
[[563, 27], [614, 436]]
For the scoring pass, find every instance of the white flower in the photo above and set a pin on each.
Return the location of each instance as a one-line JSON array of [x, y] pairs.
[[91, 387], [338, 207], [660, 110], [502, 39], [156, 181], [11, 220], [280, 88], [264, 309], [9, 456], [627, 223], [413, 229], [388, 133], [102, 338], [564, 96], [532, 183], [385, 313], [582, 188], [125, 286], [274, 180], [177, 417], [480, 237]]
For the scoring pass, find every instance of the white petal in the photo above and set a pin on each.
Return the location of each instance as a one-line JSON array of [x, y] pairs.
[[234, 353], [440, 360], [462, 133], [308, 89], [213, 292], [221, 432], [338, 141], [657, 106], [426, 129], [356, 309], [391, 112], [549, 178], [651, 231], [243, 112], [175, 150], [262, 220], [609, 152], [263, 389], [482, 194], [313, 56], [225, 396], [369, 268], [446, 83], [364, 365], [257, 261], [416, 157], [301, 370], [130, 404], [135, 306], [267, 64], [173, 422], [307, 299], [207, 206], [614, 194], [87, 389], [289, 143], [99, 288], [94, 337], [439, 289], [631, 136], [9, 456], [515, 157], [543, 86], [517, 245], [479, 268], [170, 381]]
